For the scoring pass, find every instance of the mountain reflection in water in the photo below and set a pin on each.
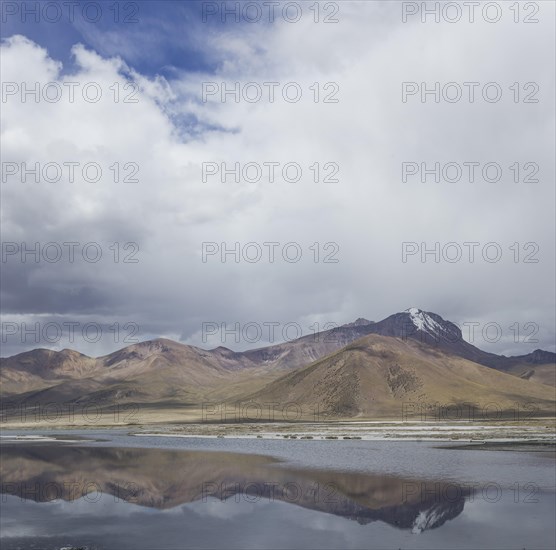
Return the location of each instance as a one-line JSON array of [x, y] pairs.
[[164, 479]]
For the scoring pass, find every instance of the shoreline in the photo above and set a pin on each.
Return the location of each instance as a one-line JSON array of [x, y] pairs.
[[539, 431]]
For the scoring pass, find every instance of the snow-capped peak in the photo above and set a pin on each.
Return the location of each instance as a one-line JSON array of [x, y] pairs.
[[424, 322]]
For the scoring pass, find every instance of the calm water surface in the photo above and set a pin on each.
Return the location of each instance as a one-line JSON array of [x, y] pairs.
[[128, 492]]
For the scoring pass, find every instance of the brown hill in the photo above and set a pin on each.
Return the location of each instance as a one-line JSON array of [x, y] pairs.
[[157, 371], [378, 376]]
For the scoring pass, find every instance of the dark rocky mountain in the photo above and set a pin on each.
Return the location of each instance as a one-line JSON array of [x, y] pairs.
[[431, 329]]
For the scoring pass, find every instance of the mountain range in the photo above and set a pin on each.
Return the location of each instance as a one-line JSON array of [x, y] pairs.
[[362, 369]]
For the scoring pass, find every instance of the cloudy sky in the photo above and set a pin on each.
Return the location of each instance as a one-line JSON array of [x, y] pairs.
[[135, 119]]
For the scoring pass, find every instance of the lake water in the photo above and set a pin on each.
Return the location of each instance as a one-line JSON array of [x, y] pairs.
[[128, 492]]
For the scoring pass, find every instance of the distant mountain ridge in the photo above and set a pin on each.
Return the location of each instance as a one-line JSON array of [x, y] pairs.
[[175, 374]]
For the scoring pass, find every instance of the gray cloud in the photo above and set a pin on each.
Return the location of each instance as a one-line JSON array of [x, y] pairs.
[[369, 213]]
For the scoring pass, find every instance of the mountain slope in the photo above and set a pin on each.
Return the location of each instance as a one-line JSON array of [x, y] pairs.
[[305, 350], [377, 375]]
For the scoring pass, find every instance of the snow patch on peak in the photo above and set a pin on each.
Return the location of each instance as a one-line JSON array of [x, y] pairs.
[[424, 322]]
